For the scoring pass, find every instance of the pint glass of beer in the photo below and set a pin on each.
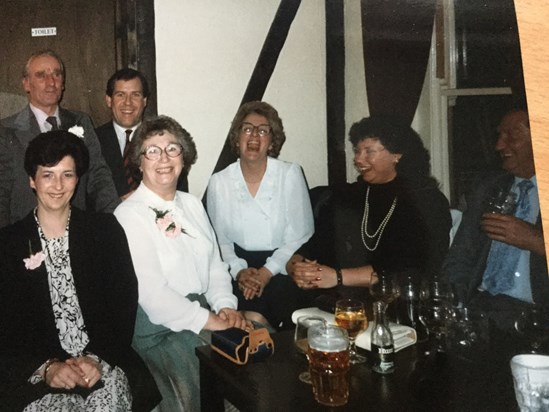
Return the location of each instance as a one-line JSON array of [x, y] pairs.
[[329, 364]]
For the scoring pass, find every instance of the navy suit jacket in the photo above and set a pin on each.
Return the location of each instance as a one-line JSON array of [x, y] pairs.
[[106, 286], [95, 190], [113, 157], [466, 261]]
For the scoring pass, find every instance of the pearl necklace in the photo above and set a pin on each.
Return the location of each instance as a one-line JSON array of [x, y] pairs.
[[379, 232]]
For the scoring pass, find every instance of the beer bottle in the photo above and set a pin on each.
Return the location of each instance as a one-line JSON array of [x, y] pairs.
[[383, 348]]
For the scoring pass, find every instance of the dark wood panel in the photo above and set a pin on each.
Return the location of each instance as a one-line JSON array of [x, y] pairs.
[[85, 41]]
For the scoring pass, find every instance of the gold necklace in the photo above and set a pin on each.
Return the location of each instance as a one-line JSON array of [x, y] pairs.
[[379, 232]]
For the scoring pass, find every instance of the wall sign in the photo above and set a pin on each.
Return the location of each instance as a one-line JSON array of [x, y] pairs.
[[43, 31]]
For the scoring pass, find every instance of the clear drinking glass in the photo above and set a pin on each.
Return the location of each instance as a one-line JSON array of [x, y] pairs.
[[300, 339], [468, 333], [533, 324], [351, 316], [386, 290], [436, 310], [503, 202]]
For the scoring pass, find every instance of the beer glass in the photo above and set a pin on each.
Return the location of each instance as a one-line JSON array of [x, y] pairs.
[[300, 339], [329, 364], [351, 316]]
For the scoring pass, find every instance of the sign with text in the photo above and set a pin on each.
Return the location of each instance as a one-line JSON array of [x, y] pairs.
[[43, 31]]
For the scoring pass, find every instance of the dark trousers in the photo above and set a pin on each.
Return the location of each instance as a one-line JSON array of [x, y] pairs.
[[280, 297]]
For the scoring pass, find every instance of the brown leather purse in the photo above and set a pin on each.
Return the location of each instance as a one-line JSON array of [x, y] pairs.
[[242, 347]]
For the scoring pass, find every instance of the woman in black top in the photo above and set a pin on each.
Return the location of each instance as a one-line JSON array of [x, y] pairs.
[[393, 218]]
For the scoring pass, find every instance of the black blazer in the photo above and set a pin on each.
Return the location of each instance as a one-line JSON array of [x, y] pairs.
[[107, 292], [111, 152]]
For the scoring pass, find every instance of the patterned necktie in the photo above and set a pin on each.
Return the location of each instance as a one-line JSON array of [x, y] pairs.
[[126, 158], [503, 259], [53, 121]]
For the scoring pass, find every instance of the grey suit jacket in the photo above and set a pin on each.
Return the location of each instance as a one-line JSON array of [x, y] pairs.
[[466, 261], [95, 190]]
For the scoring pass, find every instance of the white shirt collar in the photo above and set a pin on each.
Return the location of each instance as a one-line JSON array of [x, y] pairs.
[[41, 117]]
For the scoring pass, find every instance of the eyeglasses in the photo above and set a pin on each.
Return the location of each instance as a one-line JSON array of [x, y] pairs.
[[155, 152], [262, 130], [370, 153]]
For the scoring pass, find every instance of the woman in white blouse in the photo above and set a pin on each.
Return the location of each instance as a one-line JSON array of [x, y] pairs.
[[184, 286], [261, 212]]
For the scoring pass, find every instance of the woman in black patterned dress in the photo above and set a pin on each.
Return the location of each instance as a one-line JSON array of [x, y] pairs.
[[68, 298]]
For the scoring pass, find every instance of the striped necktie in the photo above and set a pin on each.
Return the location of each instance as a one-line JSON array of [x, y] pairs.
[[126, 157]]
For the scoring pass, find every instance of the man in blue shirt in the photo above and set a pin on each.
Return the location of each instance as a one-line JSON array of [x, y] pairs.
[[497, 261]]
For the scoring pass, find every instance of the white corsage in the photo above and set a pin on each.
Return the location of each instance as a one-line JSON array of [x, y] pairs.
[[77, 131]]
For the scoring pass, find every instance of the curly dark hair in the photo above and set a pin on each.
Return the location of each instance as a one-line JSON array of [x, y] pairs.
[[275, 122], [158, 126], [48, 149], [398, 138]]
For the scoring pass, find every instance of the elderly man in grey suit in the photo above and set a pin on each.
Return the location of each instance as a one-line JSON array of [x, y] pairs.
[[497, 261], [44, 82]]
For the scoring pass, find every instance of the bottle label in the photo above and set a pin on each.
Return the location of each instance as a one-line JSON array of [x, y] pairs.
[[384, 358]]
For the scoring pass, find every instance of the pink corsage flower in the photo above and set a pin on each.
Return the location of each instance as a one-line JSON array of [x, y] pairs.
[[165, 222], [34, 260]]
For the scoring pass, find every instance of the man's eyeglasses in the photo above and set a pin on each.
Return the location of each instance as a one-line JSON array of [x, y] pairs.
[[154, 152], [262, 130]]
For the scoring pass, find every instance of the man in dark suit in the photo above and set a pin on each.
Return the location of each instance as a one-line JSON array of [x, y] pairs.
[[126, 96], [497, 261], [44, 82]]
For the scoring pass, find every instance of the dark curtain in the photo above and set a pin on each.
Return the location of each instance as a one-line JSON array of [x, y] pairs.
[[396, 39]]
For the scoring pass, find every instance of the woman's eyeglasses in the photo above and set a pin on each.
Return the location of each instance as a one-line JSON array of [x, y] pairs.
[[262, 130], [368, 153], [154, 152]]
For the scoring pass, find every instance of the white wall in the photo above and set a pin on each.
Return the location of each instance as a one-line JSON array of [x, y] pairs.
[[206, 51]]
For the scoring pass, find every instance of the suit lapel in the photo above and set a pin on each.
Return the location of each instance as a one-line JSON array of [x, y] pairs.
[[67, 118], [113, 144], [26, 127]]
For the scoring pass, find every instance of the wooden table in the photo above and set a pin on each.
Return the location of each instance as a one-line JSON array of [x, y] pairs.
[[420, 383]]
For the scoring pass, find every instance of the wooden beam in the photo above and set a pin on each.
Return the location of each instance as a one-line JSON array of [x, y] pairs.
[[264, 68], [335, 92]]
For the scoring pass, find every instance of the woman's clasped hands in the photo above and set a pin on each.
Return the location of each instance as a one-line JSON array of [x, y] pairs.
[[82, 371], [252, 281], [309, 274]]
